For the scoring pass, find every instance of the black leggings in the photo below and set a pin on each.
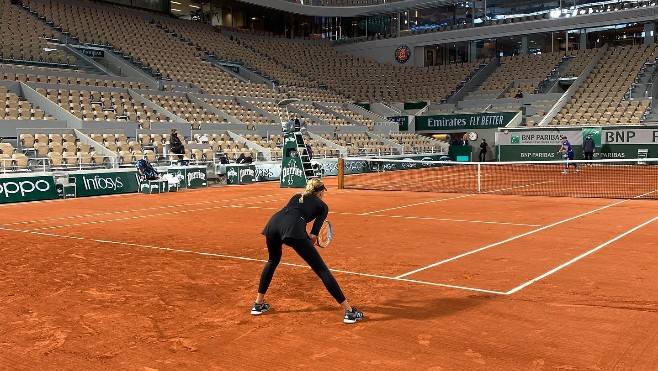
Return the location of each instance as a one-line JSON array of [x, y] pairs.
[[307, 251]]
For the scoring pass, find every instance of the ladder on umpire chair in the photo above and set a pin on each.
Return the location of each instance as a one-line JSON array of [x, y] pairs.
[[296, 167]]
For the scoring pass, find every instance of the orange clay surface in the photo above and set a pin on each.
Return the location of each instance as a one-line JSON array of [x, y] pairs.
[[447, 282]]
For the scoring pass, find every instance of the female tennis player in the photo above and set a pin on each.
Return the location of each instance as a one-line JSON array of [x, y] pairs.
[[288, 226]]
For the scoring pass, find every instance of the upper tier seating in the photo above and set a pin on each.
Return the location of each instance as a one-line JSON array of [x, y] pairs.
[[363, 80], [601, 99], [146, 43], [521, 67], [24, 37]]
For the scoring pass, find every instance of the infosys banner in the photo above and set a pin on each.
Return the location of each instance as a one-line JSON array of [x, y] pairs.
[[611, 142], [106, 183], [465, 121], [27, 188]]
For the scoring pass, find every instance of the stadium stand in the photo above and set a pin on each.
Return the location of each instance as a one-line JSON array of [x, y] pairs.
[[25, 38], [362, 80], [197, 93], [160, 50], [602, 100], [17, 108], [522, 67]]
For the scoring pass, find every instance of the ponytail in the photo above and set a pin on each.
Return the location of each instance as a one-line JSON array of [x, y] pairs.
[[313, 186]]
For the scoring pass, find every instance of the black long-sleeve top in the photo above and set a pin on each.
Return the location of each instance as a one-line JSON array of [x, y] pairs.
[[291, 220]]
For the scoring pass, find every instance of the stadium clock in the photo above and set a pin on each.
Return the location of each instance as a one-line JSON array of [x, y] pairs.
[[472, 136]]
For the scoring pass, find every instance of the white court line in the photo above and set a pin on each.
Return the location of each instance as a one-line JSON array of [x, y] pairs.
[[453, 198], [251, 206], [135, 210], [512, 238], [143, 216], [518, 288], [446, 220], [243, 258], [417, 204]]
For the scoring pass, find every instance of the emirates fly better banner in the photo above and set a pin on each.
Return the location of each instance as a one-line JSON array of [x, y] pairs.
[[465, 121]]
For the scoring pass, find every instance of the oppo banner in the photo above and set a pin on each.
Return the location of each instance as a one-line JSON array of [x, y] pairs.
[[27, 188]]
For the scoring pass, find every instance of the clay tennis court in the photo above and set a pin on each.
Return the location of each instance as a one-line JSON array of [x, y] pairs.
[[447, 282]]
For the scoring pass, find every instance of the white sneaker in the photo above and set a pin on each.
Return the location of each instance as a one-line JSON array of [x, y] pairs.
[[353, 316], [565, 172], [258, 309]]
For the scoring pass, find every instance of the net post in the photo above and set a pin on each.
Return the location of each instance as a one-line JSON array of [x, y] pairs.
[[341, 173]]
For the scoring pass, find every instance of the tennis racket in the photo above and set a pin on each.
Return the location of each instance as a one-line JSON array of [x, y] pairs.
[[325, 234]]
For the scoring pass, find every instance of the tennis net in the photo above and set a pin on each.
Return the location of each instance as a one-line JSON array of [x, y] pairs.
[[625, 179]]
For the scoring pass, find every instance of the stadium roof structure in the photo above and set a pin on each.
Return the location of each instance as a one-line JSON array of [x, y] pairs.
[[350, 11]]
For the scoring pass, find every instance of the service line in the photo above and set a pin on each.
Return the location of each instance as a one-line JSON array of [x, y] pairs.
[[518, 288], [514, 238]]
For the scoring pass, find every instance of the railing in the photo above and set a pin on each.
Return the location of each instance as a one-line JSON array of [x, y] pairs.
[[645, 90], [642, 90], [546, 84]]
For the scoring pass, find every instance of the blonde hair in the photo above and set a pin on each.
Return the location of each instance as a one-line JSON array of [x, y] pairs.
[[313, 186]]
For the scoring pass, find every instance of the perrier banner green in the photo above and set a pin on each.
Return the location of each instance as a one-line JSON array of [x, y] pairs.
[[292, 169]]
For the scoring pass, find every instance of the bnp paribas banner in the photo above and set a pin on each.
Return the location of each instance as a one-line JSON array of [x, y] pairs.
[[27, 188], [610, 142], [465, 121]]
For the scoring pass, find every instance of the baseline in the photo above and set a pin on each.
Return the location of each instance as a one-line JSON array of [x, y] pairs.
[[243, 258]]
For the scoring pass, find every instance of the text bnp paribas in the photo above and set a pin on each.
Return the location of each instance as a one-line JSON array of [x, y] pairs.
[[494, 120]]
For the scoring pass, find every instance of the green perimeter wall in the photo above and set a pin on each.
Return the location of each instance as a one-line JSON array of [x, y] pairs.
[[19, 187], [28, 187], [542, 144]]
